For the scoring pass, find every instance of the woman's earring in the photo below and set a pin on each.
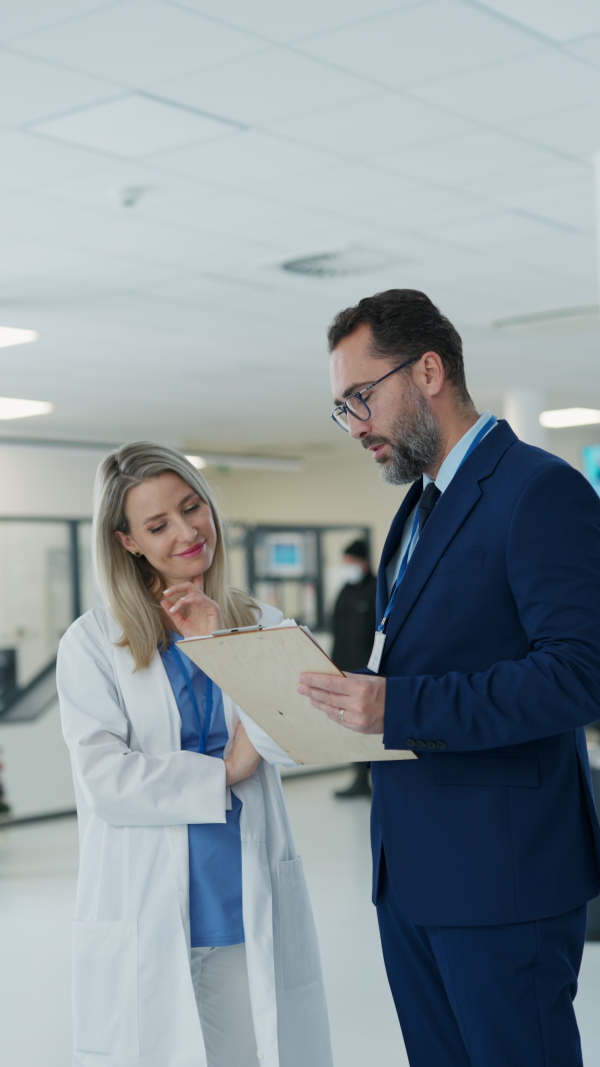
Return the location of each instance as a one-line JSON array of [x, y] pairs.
[[138, 554]]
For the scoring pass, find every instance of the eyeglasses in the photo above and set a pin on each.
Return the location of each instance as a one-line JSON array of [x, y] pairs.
[[355, 405]]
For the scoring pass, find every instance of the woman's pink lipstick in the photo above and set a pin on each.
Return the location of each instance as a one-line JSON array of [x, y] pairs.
[[195, 550]]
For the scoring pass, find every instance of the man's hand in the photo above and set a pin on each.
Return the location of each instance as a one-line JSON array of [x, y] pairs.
[[360, 696]]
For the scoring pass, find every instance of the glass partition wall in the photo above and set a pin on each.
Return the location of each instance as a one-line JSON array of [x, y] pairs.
[[47, 582], [44, 568]]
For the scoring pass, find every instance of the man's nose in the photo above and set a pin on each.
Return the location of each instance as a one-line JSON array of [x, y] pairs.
[[358, 428]]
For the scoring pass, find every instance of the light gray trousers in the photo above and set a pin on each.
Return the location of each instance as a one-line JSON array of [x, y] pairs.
[[220, 978]]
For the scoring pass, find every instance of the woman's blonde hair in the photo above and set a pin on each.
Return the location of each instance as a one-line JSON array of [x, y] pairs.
[[130, 585]]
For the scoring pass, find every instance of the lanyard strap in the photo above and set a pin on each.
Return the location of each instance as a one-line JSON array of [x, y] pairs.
[[202, 733], [488, 425]]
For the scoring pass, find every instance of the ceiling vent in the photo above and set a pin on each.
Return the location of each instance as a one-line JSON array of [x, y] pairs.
[[556, 323], [356, 259]]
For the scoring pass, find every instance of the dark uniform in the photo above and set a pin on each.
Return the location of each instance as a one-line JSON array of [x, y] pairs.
[[354, 624], [353, 628]]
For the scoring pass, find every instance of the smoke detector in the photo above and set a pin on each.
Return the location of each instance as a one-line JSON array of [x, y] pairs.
[[356, 259]]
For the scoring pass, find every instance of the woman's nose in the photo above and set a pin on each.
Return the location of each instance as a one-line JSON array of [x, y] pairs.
[[185, 531]]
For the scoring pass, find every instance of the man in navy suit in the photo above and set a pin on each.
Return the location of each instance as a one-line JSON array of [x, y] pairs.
[[487, 665]]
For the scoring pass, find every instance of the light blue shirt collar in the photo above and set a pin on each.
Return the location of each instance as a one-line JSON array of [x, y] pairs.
[[454, 458]]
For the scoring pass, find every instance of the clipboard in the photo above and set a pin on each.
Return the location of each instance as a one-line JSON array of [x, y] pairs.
[[259, 669]]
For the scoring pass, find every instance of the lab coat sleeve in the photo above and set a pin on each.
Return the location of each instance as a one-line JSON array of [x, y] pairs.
[[122, 786]]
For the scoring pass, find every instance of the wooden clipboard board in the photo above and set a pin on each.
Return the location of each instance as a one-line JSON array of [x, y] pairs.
[[259, 669]]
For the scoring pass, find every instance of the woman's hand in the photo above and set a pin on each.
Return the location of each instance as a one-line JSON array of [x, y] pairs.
[[192, 612], [243, 759]]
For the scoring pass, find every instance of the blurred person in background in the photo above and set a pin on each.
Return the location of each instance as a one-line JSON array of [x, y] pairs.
[[193, 941], [353, 625]]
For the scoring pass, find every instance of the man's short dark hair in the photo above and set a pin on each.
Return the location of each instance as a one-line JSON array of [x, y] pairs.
[[405, 324]]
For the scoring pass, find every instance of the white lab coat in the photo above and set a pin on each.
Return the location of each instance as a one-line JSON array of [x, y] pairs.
[[133, 998]]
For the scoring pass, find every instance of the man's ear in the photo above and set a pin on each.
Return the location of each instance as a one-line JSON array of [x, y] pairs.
[[433, 372], [126, 540]]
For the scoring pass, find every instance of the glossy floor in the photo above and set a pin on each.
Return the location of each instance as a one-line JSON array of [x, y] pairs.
[[38, 866]]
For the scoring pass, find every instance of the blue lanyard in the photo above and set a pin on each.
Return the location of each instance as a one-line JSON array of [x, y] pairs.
[[202, 734], [491, 422]]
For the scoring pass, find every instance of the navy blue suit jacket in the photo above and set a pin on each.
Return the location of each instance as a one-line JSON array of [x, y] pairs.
[[492, 661]]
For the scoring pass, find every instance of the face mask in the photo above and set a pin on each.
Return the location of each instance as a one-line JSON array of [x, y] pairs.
[[353, 573]]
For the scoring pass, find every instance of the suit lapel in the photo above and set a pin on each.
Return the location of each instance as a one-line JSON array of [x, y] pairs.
[[392, 542], [452, 509], [450, 513]]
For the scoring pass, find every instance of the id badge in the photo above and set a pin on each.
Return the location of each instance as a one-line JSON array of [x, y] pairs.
[[377, 652]]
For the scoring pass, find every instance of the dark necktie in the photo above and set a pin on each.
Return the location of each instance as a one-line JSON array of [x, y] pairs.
[[428, 500]]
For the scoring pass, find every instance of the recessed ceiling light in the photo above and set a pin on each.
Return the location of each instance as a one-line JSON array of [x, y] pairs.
[[10, 408], [9, 335], [561, 417]]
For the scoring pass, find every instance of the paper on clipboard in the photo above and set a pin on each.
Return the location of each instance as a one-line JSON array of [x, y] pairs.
[[259, 669]]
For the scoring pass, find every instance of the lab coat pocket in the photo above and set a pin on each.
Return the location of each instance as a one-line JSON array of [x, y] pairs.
[[300, 963], [105, 984]]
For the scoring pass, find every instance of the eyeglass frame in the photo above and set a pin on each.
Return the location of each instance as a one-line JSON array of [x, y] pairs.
[[339, 408]]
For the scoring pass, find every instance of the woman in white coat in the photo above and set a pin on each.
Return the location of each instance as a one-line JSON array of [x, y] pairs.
[[193, 940]]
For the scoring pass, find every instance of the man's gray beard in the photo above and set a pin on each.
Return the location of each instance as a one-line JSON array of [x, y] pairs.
[[416, 443]]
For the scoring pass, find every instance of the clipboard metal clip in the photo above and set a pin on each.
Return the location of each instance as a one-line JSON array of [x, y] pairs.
[[235, 630]]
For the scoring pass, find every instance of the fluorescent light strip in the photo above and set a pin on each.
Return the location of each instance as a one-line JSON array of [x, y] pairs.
[[10, 335], [563, 417], [265, 463], [11, 408]]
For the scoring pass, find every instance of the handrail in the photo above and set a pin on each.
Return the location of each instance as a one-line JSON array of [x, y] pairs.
[[28, 703]]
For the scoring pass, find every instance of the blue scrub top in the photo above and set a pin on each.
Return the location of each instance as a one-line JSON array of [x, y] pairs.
[[215, 849]]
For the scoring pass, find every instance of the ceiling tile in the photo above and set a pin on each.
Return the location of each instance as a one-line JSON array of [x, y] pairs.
[[337, 188], [559, 21], [493, 187], [31, 90], [29, 15], [382, 123], [56, 221], [138, 42], [495, 231], [570, 254], [571, 204], [588, 49], [242, 160], [454, 160], [571, 130], [418, 204], [30, 162], [509, 91], [286, 22], [33, 270], [259, 89], [132, 126], [121, 186], [247, 217], [417, 44]]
